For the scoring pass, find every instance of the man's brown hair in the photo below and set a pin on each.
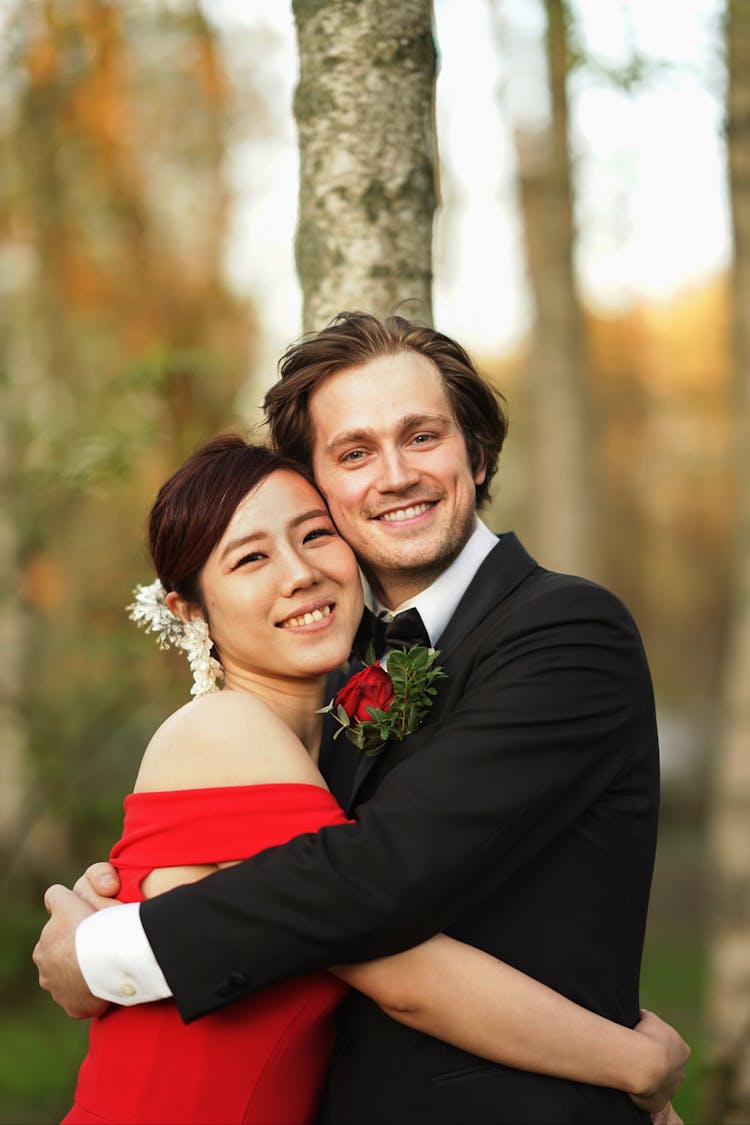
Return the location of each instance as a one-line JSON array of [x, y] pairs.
[[353, 339]]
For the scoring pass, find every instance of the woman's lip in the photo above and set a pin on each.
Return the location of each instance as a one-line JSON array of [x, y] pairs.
[[321, 622]]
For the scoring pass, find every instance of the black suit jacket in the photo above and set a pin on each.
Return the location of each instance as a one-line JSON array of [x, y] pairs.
[[520, 818]]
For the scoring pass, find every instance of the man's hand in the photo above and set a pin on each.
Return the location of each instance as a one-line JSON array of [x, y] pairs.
[[55, 956], [669, 1072], [98, 885], [667, 1116]]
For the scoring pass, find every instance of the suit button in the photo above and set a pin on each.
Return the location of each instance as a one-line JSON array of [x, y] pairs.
[[235, 982]]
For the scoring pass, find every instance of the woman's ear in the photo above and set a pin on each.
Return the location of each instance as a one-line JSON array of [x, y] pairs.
[[181, 608]]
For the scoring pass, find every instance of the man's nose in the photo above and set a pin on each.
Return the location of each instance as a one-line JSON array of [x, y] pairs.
[[396, 471]]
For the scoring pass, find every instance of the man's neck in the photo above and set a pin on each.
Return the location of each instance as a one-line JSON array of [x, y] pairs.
[[437, 600], [392, 590]]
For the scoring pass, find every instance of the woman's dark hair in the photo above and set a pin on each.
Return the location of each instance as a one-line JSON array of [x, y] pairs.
[[194, 507], [353, 339]]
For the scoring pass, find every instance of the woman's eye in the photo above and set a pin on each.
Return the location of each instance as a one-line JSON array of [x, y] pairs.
[[317, 533], [253, 557]]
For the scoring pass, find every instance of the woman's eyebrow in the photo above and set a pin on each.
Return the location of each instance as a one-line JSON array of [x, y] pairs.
[[243, 540]]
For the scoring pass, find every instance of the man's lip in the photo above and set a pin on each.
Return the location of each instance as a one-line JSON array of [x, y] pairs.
[[430, 502], [307, 607]]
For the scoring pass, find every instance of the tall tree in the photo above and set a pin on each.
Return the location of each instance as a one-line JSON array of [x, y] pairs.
[[729, 988], [560, 491], [557, 366], [364, 108]]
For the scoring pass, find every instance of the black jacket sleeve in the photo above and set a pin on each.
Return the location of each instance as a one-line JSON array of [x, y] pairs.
[[556, 706]]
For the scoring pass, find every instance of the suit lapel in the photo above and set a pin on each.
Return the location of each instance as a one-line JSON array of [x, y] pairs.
[[505, 568]]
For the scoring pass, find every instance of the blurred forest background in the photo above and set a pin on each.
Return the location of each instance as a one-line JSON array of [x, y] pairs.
[[592, 251]]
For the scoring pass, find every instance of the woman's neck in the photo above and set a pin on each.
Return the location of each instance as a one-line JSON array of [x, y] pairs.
[[295, 701]]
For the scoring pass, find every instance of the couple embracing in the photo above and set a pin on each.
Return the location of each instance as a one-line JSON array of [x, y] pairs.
[[447, 931]]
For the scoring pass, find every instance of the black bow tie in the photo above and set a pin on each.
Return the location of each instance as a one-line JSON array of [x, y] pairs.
[[404, 631]]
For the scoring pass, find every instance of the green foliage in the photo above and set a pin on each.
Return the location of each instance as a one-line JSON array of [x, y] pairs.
[[40, 1050], [122, 349], [672, 984]]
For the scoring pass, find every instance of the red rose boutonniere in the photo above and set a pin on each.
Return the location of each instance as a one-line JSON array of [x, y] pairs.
[[375, 706]]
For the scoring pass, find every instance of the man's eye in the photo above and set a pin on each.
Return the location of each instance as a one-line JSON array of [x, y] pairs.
[[420, 439], [317, 533], [353, 455]]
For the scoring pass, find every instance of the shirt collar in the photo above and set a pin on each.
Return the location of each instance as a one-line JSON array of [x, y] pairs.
[[439, 601]]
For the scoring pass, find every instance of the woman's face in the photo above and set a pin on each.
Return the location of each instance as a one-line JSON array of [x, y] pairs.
[[282, 589]]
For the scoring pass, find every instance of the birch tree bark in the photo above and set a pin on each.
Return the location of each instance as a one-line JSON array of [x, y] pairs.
[[364, 108], [729, 977]]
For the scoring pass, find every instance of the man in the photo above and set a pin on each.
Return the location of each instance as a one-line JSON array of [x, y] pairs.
[[520, 817]]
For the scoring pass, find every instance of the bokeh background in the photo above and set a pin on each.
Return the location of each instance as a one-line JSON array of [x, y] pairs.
[[593, 191]]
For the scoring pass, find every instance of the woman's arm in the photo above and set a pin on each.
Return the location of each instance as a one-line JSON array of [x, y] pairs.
[[466, 997]]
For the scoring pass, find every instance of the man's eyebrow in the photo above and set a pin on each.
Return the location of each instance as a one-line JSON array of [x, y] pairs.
[[243, 540], [366, 433]]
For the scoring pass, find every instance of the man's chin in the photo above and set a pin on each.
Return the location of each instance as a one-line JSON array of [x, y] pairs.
[[421, 553], [417, 562]]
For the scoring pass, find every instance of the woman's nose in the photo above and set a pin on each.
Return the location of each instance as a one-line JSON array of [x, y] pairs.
[[296, 572]]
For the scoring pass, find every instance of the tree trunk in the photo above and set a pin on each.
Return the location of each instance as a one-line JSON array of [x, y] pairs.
[[560, 494], [364, 108], [729, 979]]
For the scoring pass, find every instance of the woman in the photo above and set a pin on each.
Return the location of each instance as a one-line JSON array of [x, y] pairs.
[[263, 590]]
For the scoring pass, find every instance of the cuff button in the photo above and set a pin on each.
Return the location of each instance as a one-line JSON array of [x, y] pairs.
[[128, 988]]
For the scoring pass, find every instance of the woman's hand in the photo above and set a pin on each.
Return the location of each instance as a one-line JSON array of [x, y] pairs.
[[670, 1059], [98, 885]]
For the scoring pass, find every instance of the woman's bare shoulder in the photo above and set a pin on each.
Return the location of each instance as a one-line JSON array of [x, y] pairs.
[[227, 738]]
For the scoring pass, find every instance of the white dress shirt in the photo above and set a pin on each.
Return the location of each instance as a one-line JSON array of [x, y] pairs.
[[113, 952]]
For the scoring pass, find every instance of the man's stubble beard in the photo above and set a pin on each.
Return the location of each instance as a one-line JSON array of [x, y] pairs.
[[380, 570]]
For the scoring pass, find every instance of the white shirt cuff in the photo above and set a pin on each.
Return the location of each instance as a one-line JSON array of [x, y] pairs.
[[116, 959]]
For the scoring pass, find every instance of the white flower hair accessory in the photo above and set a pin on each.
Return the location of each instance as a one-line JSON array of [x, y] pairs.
[[151, 613]]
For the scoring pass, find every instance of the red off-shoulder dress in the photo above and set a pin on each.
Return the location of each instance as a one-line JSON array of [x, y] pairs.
[[261, 1061]]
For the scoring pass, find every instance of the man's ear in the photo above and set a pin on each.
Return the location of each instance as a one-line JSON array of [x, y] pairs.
[[480, 473], [180, 607]]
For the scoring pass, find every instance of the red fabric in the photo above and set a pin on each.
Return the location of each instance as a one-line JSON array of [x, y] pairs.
[[261, 1060]]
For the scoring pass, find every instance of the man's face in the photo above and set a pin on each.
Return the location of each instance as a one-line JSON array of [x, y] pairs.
[[392, 463]]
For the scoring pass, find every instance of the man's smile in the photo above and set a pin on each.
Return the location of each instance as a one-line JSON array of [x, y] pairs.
[[398, 515]]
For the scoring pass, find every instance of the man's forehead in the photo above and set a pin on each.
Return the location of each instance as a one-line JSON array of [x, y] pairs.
[[360, 398]]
